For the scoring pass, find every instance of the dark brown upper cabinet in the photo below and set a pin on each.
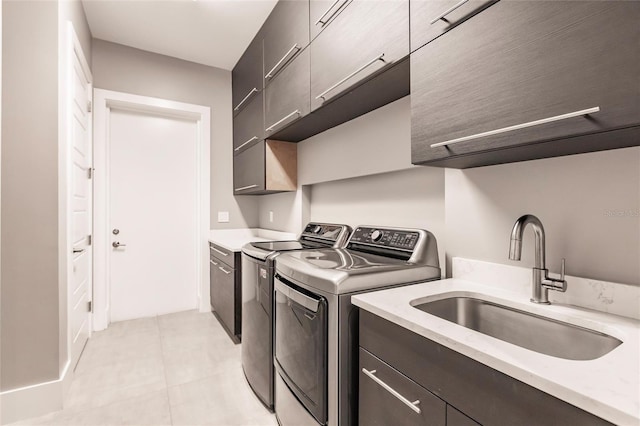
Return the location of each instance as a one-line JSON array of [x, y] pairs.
[[286, 34], [246, 77], [367, 38], [248, 125], [265, 167], [431, 18], [323, 12], [526, 80], [287, 97]]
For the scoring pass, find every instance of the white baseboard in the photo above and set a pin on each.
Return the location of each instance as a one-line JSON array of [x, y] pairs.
[[35, 400]]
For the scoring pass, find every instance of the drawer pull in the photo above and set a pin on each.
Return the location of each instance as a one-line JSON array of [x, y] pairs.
[[320, 20], [213, 263], [282, 120], [368, 64], [519, 126], [277, 65], [244, 188], [219, 251], [249, 141], [448, 11], [224, 270], [392, 391], [251, 92]]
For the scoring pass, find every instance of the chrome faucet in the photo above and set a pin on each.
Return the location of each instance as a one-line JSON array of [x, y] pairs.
[[542, 283]]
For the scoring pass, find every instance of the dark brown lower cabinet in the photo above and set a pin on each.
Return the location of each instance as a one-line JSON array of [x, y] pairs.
[[447, 384], [225, 289]]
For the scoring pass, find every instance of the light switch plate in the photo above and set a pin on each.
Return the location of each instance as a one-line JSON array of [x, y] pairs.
[[223, 217]]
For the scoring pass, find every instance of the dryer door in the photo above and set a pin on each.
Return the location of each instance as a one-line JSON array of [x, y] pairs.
[[301, 345]]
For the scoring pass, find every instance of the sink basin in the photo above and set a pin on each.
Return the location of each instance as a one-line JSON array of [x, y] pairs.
[[530, 331]]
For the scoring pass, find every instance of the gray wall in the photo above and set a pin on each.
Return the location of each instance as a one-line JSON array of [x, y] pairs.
[[124, 69], [30, 321], [589, 205], [34, 308]]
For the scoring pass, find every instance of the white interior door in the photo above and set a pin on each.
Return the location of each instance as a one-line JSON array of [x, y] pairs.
[[153, 207], [79, 290]]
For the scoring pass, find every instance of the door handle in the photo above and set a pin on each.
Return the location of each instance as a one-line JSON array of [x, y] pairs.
[[78, 250], [117, 244]]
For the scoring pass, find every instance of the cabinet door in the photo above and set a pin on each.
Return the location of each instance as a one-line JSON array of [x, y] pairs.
[[287, 97], [367, 37], [213, 285], [456, 418], [286, 33], [523, 72], [388, 398], [248, 126], [431, 18], [247, 75], [323, 12], [249, 171], [224, 296]]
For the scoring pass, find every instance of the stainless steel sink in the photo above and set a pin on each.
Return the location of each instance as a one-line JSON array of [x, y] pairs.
[[530, 331]]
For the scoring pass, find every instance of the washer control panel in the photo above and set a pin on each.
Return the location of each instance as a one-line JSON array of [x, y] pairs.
[[381, 237], [321, 230]]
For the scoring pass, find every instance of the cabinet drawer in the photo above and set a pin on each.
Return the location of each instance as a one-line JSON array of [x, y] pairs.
[[287, 97], [518, 68], [367, 37], [248, 170], [386, 397], [246, 77], [248, 126], [431, 18], [219, 253], [286, 34], [322, 13]]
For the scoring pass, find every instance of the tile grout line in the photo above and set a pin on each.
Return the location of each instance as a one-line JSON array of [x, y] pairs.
[[164, 370]]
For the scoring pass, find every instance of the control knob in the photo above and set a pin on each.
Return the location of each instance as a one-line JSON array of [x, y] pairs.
[[376, 236], [317, 229]]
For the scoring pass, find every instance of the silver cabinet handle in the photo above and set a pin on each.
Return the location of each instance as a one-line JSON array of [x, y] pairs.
[[117, 244], [251, 92], [270, 74], [249, 141], [78, 250], [519, 126], [244, 188], [392, 391], [448, 11], [224, 270], [320, 19], [368, 64], [282, 120], [219, 251], [213, 263]]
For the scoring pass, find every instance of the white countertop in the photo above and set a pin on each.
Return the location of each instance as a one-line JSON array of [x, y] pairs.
[[234, 239], [608, 387]]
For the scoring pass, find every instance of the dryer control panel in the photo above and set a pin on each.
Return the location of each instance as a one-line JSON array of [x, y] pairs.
[[384, 237]]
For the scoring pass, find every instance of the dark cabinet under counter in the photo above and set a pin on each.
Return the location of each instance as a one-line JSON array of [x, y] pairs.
[[225, 289]]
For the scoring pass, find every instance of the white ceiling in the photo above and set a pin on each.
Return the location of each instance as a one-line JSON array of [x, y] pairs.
[[209, 32]]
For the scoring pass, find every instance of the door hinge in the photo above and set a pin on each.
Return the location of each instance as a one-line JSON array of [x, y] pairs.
[[89, 106], [90, 307], [90, 172], [89, 240]]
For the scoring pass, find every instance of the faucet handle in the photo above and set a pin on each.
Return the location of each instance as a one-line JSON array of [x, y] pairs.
[[557, 284]]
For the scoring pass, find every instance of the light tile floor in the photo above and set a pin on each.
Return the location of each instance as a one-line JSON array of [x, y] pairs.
[[177, 369]]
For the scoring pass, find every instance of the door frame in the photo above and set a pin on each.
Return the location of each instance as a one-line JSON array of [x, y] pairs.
[[105, 101]]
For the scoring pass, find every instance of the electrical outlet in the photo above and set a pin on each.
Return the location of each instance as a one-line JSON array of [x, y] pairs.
[[223, 217], [270, 215]]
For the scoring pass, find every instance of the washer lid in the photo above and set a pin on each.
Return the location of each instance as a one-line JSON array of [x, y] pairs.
[[341, 271]]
